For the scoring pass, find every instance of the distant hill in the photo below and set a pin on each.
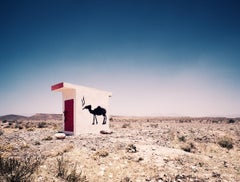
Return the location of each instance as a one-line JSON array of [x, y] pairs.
[[38, 116], [12, 117], [42, 116]]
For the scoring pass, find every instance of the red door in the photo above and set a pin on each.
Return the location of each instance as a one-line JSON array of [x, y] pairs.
[[68, 115]]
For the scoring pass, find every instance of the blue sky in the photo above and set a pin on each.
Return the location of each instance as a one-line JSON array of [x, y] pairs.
[[156, 57]]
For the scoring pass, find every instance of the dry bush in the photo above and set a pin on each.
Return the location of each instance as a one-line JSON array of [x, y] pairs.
[[61, 167], [76, 177], [20, 127], [226, 142], [182, 138], [13, 169], [30, 129], [185, 121], [154, 125], [6, 148], [64, 173], [231, 121], [30, 124], [1, 132], [4, 121], [100, 153], [126, 179], [37, 143], [126, 125], [189, 147], [42, 124], [47, 138]]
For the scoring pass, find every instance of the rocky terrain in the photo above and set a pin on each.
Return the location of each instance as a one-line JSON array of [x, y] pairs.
[[138, 149]]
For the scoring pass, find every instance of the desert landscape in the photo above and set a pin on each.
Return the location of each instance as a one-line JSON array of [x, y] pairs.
[[138, 149]]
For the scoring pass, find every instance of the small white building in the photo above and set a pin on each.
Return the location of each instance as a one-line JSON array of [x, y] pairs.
[[85, 110]]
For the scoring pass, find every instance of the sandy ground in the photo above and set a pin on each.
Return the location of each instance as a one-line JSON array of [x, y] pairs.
[[139, 149]]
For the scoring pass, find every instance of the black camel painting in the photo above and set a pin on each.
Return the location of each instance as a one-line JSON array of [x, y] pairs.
[[98, 111]]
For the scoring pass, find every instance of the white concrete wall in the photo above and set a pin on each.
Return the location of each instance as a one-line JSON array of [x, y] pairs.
[[84, 118]]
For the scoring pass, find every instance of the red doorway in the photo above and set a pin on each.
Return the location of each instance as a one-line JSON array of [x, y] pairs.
[[68, 115]]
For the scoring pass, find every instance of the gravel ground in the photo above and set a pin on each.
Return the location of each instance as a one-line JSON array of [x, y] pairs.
[[139, 149]]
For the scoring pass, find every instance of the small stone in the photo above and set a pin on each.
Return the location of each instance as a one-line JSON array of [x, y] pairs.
[[153, 148], [194, 169], [148, 178], [105, 132], [139, 159], [110, 175], [131, 148], [165, 159], [216, 175], [60, 135], [225, 164]]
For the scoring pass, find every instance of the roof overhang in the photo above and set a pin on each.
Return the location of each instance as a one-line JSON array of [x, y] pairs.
[[64, 86]]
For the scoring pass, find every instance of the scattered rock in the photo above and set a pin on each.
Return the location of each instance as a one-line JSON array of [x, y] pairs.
[[47, 138], [139, 159], [133, 153], [126, 179], [165, 159], [106, 132], [60, 136], [225, 164], [194, 168], [131, 148], [216, 175]]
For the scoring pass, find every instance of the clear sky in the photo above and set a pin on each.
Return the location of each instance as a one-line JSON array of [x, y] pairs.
[[157, 57]]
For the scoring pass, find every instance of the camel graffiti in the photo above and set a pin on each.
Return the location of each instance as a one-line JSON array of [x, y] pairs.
[[98, 111]]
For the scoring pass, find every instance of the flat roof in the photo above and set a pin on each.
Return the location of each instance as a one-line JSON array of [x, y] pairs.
[[64, 85]]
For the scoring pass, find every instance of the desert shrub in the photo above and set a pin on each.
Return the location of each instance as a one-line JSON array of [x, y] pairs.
[[4, 121], [154, 125], [216, 174], [226, 142], [61, 167], [24, 146], [37, 143], [182, 139], [14, 170], [189, 147], [1, 132], [101, 153], [16, 124], [47, 138], [126, 179], [75, 177], [42, 124], [64, 173], [12, 122], [6, 148], [30, 129], [126, 125], [185, 121], [27, 125], [231, 121]]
